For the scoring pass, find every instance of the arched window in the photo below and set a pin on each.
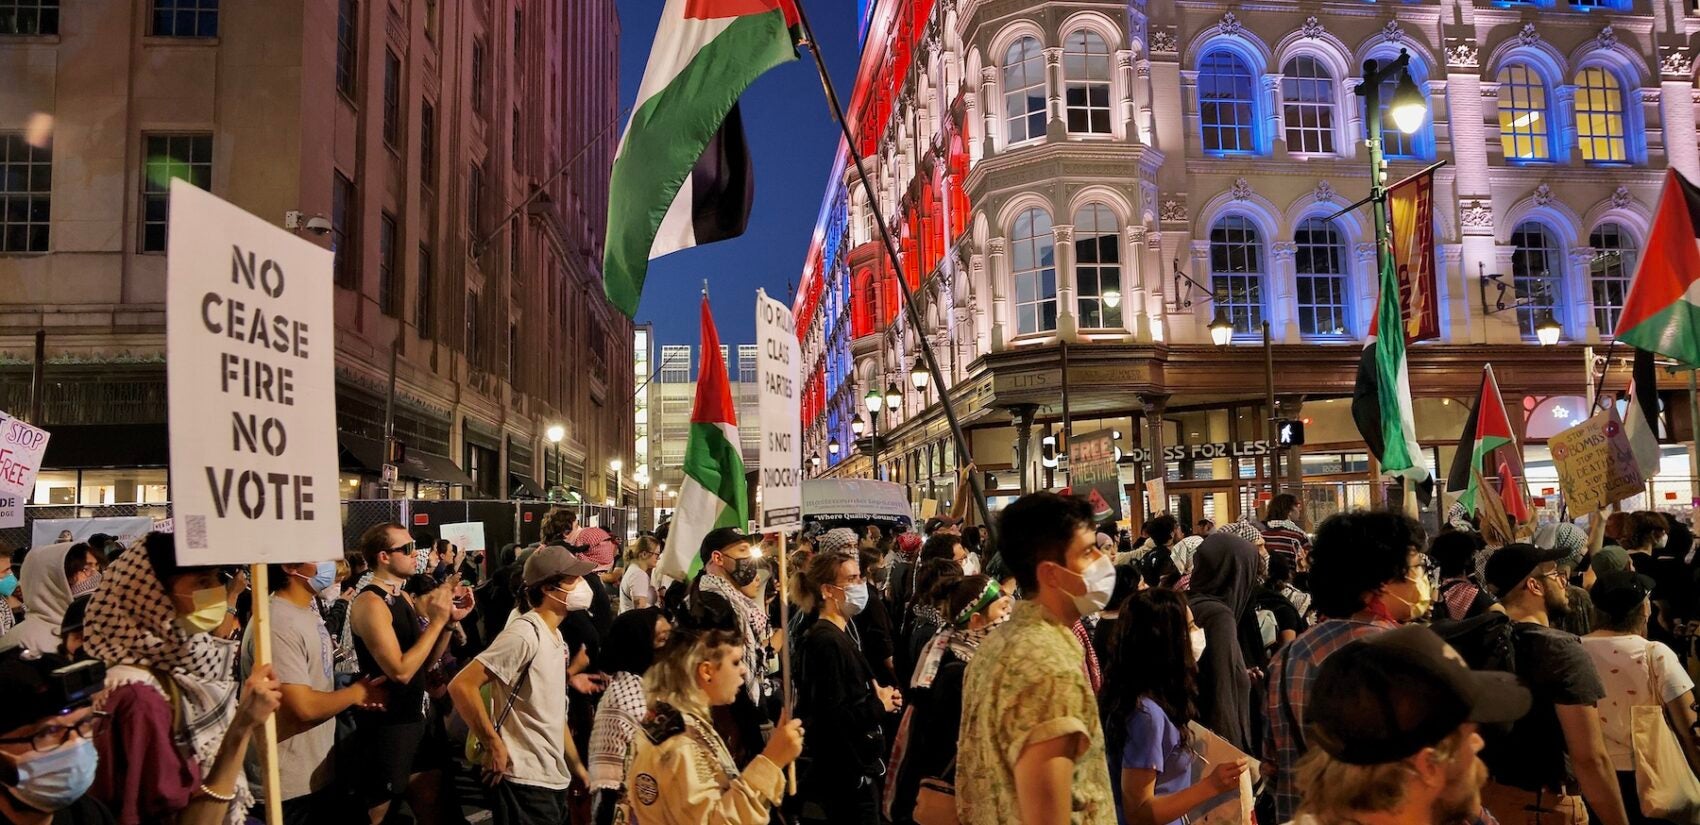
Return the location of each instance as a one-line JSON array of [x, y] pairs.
[[1024, 90], [864, 305], [1609, 272], [1537, 271], [1599, 116], [1236, 272], [1226, 111], [1320, 264], [1086, 83], [1523, 121], [1307, 94], [1097, 267], [1033, 261]]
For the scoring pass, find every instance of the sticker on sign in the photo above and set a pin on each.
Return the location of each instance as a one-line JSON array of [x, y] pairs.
[[252, 385], [777, 361]]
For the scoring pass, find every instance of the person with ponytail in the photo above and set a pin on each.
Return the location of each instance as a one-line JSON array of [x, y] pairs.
[[1150, 697], [973, 606], [838, 698]]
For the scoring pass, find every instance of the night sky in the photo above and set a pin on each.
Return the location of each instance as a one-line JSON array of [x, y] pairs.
[[792, 140]]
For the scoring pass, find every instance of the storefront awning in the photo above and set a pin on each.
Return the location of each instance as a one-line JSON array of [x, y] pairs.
[[95, 446], [360, 454], [523, 486]]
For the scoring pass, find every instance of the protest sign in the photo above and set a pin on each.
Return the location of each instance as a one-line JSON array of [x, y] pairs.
[[21, 449], [468, 535], [12, 509], [1596, 466], [1094, 476], [252, 385], [781, 417], [128, 530]]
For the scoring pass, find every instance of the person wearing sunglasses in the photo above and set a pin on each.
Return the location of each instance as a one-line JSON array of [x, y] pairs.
[[47, 753]]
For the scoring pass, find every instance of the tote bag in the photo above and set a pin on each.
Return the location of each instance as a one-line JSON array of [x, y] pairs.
[[1666, 785]]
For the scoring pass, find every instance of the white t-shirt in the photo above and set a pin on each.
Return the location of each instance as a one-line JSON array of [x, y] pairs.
[[537, 724], [633, 586], [1622, 663]]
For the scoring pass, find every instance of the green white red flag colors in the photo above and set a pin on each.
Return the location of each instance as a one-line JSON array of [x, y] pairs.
[[1486, 430], [1381, 399], [1662, 311], [713, 493], [682, 175]]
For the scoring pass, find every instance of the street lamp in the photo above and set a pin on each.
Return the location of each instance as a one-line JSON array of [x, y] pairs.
[[918, 374], [814, 459], [832, 447], [555, 433], [1408, 107], [857, 425], [873, 401], [1112, 298], [1548, 330], [1221, 329], [893, 398]]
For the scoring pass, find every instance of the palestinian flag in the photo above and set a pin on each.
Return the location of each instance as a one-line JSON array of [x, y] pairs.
[[713, 494], [682, 175], [1662, 312], [1487, 429], [1381, 399], [1641, 420]]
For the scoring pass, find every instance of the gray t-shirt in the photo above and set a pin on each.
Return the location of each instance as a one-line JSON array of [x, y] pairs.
[[301, 655], [537, 724]]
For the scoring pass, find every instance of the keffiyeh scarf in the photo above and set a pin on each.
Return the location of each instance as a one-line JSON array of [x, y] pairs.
[[1183, 551], [132, 626], [1245, 530], [756, 630], [619, 715]]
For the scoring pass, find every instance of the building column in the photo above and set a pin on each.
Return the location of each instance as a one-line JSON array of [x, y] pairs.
[[1203, 307], [1156, 484], [1152, 274], [989, 92], [1124, 101], [1134, 312], [1057, 127], [1578, 292], [1676, 107], [1142, 71], [997, 250], [1567, 147], [1068, 318], [1272, 103], [1282, 306]]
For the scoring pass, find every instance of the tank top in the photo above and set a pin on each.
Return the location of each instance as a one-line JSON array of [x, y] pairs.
[[406, 703]]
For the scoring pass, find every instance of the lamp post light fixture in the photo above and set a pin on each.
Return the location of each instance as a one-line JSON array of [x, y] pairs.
[[1408, 106], [893, 398], [918, 374], [1112, 298], [832, 447], [814, 459], [555, 433], [1221, 329], [1548, 330], [857, 425]]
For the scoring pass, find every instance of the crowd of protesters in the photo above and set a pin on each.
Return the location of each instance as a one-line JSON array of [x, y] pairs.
[[1357, 670]]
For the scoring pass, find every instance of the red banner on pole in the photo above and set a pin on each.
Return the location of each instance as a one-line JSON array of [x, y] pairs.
[[1411, 211]]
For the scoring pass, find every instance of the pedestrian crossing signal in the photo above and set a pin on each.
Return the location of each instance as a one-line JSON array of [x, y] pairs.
[[1290, 432]]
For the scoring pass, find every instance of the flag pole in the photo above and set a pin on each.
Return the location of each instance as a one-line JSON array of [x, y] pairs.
[[911, 312]]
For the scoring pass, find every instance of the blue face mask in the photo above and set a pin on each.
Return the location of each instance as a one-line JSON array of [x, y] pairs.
[[52, 781], [9, 584], [855, 599], [324, 577]]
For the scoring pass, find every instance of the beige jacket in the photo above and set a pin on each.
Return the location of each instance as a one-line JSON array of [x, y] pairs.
[[688, 778]]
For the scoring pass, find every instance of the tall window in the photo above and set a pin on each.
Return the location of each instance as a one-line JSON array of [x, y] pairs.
[[1225, 104], [345, 264], [347, 44], [392, 99], [1086, 89], [1236, 272], [26, 189], [424, 315], [389, 284], [474, 202], [513, 247], [1523, 127], [1537, 269], [1024, 90], [477, 78], [862, 305], [1033, 260], [1599, 116], [165, 157], [427, 143], [513, 352], [515, 136], [29, 17], [185, 18], [1609, 272], [1320, 263], [1307, 94], [1097, 267]]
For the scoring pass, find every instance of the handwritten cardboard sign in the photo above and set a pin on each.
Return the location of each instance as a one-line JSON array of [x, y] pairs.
[[1596, 466]]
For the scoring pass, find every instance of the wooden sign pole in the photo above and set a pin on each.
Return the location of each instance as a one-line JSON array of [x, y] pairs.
[[261, 630], [788, 696]]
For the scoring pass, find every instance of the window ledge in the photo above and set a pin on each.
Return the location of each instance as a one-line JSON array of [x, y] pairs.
[[180, 42], [29, 39]]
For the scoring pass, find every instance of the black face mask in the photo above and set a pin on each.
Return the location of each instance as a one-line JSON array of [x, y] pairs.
[[740, 571]]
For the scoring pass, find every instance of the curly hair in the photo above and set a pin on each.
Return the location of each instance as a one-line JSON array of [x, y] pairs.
[[1355, 553]]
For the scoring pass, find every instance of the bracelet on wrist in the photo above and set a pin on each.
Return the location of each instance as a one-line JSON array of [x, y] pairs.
[[209, 793]]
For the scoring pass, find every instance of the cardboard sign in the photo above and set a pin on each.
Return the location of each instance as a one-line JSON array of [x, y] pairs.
[[1596, 466], [21, 449], [1233, 807], [1093, 475], [781, 417], [467, 535], [249, 336]]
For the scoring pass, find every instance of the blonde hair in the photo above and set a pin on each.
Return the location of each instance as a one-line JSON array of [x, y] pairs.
[[643, 544], [1335, 791], [672, 679]]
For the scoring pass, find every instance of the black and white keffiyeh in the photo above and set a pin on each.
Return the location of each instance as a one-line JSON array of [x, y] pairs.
[[131, 625], [754, 621], [619, 716]]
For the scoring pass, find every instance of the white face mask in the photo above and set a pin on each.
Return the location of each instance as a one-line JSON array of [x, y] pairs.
[[1100, 580], [971, 565], [578, 598], [1198, 642]]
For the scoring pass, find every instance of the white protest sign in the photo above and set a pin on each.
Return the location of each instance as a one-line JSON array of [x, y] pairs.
[[21, 449], [251, 377], [467, 535], [12, 509], [781, 416], [128, 530]]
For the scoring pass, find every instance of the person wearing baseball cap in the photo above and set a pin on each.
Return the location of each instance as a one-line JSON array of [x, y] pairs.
[[1629, 665], [47, 755], [944, 524], [1553, 759], [525, 759], [729, 565], [1400, 740]]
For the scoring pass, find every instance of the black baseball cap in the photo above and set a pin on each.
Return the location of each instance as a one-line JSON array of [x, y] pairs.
[[723, 538], [1385, 697], [28, 689], [1513, 563], [1621, 591], [936, 522]]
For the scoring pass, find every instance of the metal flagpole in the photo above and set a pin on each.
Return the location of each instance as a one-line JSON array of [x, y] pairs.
[[910, 310]]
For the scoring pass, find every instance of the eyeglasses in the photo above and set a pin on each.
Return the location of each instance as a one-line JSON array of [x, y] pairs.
[[1424, 563], [53, 736]]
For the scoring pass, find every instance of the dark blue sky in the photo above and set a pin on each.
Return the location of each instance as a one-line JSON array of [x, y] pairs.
[[792, 140]]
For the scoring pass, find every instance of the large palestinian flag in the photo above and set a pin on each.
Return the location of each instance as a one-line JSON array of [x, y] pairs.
[[1486, 430], [1381, 398], [1662, 312], [713, 493], [682, 176]]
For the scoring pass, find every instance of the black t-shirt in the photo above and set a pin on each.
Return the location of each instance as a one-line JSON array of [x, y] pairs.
[[837, 705], [1557, 671]]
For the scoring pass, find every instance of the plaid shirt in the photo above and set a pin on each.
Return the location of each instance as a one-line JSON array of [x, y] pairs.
[[1291, 677]]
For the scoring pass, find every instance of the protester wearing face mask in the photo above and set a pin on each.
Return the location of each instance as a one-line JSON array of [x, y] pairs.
[[528, 762], [1031, 747], [179, 725], [927, 739], [1367, 575], [729, 566], [9, 601], [302, 656], [1150, 696], [838, 699], [82, 568], [1224, 579], [46, 594], [47, 752]]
